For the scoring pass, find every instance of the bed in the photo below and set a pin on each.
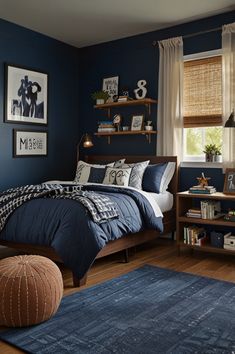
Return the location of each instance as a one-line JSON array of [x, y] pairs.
[[166, 200]]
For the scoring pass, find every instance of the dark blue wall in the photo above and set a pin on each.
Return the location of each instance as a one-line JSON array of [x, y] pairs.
[[132, 59], [73, 75], [30, 49]]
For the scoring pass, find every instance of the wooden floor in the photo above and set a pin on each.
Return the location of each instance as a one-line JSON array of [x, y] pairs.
[[162, 253]]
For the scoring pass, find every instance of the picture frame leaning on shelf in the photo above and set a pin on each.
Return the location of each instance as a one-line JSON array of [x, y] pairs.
[[229, 181]]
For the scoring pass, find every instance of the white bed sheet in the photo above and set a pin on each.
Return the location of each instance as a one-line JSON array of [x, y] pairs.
[[165, 200]]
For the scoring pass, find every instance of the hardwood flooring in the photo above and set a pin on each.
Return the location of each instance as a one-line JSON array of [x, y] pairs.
[[162, 253]]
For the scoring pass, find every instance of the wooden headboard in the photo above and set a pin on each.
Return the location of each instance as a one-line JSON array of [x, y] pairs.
[[173, 186]]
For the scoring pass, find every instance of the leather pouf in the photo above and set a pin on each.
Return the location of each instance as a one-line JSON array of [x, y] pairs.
[[31, 288]]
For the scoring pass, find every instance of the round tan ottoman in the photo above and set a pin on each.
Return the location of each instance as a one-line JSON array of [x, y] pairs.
[[31, 288]]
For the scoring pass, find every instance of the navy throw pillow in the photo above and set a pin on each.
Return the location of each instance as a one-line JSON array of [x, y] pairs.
[[96, 175], [152, 178]]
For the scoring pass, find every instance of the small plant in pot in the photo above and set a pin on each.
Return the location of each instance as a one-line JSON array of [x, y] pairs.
[[100, 97], [210, 150], [218, 154]]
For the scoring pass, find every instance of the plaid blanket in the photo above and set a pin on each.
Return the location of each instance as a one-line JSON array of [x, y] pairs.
[[99, 206]]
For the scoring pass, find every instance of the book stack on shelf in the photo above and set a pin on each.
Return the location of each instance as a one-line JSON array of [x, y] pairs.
[[210, 209], [195, 235], [202, 190], [124, 98], [106, 126], [194, 213]]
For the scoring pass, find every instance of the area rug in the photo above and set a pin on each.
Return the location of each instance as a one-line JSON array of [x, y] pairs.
[[149, 310]]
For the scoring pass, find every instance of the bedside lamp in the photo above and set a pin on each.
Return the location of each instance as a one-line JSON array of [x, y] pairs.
[[230, 123], [86, 142]]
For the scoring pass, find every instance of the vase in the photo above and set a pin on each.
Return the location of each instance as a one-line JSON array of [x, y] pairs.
[[100, 101], [210, 157], [218, 158]]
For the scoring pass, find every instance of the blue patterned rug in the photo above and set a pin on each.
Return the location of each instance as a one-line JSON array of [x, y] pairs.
[[149, 310]]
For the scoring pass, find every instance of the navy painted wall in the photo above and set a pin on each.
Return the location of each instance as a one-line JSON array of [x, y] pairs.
[[132, 59], [30, 49], [73, 75]]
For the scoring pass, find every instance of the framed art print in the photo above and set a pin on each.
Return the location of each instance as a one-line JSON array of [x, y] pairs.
[[29, 143], [229, 181], [137, 122], [26, 95], [110, 85]]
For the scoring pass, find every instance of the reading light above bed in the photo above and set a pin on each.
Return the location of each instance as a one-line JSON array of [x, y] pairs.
[[86, 141]]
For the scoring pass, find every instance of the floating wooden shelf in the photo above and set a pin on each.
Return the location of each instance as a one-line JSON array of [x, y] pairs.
[[143, 102], [128, 132]]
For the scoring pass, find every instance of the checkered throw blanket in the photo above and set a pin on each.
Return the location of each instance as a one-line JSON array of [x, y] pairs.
[[100, 206]]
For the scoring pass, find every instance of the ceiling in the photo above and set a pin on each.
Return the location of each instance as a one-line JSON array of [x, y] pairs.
[[86, 22]]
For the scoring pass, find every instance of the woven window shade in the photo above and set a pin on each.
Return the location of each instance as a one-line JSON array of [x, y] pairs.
[[203, 92]]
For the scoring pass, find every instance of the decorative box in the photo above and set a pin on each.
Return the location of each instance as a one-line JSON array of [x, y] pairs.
[[217, 239], [229, 241]]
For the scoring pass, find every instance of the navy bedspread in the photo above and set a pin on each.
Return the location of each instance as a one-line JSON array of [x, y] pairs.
[[66, 225]]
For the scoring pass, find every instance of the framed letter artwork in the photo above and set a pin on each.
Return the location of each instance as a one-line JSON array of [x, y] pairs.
[[29, 143], [26, 95]]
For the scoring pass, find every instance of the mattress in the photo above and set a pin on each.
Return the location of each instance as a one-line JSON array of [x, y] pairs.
[[165, 200]]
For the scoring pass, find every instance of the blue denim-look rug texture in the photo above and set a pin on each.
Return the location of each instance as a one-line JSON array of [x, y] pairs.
[[149, 310]]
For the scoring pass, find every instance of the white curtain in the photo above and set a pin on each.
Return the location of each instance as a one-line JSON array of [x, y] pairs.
[[170, 97], [228, 69]]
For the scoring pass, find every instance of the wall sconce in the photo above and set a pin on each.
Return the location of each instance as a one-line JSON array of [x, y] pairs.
[[230, 123], [86, 142]]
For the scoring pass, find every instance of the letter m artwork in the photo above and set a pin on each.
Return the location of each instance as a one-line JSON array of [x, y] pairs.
[[23, 144]]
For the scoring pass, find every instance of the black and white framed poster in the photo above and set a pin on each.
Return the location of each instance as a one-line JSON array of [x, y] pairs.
[[29, 143], [110, 85], [26, 95]]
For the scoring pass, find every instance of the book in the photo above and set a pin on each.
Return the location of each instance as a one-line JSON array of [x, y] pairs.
[[108, 130], [202, 191], [194, 215], [124, 98], [211, 209]]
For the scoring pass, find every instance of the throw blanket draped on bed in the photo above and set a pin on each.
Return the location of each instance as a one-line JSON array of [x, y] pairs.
[[68, 227], [100, 206]]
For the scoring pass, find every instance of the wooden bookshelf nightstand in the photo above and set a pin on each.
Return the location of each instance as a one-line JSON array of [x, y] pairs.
[[185, 201]]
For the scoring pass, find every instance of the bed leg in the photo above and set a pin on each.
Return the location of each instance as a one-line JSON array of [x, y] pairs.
[[79, 282], [126, 255]]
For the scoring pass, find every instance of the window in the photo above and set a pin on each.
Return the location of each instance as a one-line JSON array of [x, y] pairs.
[[202, 104]]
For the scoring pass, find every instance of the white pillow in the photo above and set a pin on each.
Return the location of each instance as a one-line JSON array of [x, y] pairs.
[[167, 176], [117, 176], [84, 169], [137, 173]]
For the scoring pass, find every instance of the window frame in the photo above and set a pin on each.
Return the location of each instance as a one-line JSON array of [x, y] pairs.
[[189, 159]]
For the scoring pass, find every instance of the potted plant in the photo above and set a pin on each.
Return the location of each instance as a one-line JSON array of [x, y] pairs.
[[218, 154], [100, 97], [210, 150]]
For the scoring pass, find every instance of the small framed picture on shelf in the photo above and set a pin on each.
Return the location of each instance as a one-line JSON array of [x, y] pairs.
[[28, 143], [110, 85], [229, 181], [137, 122]]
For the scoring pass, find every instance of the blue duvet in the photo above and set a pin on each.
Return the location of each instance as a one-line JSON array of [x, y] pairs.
[[67, 226]]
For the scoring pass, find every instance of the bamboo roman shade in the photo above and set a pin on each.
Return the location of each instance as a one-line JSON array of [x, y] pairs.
[[203, 92]]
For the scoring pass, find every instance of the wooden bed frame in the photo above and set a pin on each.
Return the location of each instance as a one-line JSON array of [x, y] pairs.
[[125, 242]]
